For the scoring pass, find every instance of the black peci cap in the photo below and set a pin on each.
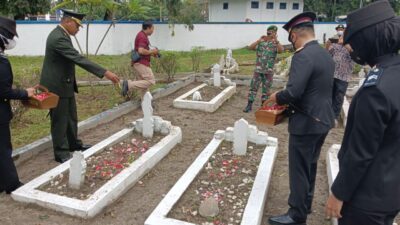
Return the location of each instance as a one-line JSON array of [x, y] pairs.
[[77, 17], [372, 14], [302, 19], [9, 25]]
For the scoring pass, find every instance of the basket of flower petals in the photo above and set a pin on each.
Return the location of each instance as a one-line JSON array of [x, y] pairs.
[[42, 99], [270, 114]]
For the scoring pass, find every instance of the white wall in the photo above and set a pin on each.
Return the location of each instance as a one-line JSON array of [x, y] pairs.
[[239, 10], [33, 37], [262, 14], [236, 11]]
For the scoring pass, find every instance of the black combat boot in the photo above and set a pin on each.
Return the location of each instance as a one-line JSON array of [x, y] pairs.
[[248, 107]]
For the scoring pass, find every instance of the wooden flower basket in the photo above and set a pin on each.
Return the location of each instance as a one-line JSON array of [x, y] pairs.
[[269, 117], [42, 100]]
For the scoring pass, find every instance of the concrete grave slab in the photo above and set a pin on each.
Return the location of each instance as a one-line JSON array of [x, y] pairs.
[[254, 209], [210, 106], [111, 190]]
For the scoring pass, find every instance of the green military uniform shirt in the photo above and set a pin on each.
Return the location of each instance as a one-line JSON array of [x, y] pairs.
[[58, 72], [266, 52]]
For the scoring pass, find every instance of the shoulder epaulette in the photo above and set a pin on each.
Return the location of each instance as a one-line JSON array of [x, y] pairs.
[[373, 77]]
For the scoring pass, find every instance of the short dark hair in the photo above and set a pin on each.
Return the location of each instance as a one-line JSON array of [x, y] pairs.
[[304, 29], [147, 24]]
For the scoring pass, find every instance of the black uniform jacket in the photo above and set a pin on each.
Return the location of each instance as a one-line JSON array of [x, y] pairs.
[[309, 91], [6, 91], [369, 159]]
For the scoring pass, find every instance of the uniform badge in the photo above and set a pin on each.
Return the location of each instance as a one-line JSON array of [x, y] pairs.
[[373, 77]]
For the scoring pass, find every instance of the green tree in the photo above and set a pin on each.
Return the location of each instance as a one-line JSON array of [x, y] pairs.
[[333, 8], [19, 9]]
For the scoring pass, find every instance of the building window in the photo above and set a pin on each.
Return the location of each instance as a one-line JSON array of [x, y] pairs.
[[225, 5], [296, 6], [270, 5], [282, 5], [254, 4]]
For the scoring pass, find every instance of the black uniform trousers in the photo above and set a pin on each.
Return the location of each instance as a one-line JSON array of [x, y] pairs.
[[354, 216], [64, 127], [339, 91], [8, 173], [304, 151]]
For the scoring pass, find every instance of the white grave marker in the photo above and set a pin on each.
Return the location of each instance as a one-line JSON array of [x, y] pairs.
[[240, 137], [229, 53], [148, 128], [217, 75], [77, 171]]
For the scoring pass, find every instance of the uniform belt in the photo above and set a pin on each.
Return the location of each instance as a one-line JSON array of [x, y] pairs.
[[307, 114]]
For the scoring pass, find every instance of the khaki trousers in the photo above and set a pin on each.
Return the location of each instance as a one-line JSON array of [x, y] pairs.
[[145, 78]]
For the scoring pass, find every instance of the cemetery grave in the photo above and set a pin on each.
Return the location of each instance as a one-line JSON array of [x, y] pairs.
[[122, 169], [228, 181], [208, 97]]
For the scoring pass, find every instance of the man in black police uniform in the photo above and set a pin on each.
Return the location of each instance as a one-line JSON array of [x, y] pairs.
[[366, 190], [309, 96]]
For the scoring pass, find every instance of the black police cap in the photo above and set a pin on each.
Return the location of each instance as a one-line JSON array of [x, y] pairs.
[[371, 14], [9, 25], [302, 19]]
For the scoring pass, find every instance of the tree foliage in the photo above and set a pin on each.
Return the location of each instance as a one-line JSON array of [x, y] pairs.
[[329, 9], [19, 9]]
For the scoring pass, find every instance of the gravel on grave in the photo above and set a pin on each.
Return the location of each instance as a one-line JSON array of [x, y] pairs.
[[229, 179], [103, 166], [208, 93]]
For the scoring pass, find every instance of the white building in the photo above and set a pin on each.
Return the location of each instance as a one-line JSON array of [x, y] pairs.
[[254, 10]]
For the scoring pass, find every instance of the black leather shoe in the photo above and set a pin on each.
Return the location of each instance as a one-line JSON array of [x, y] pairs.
[[248, 107], [284, 220], [84, 147], [15, 188], [62, 159], [125, 88]]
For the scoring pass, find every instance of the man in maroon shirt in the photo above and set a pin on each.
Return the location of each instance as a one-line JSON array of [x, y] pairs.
[[142, 66]]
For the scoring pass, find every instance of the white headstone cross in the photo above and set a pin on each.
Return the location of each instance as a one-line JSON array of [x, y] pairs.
[[77, 171], [240, 137], [217, 75], [148, 128]]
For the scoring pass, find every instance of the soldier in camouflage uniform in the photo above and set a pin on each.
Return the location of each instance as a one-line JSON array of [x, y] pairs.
[[267, 48]]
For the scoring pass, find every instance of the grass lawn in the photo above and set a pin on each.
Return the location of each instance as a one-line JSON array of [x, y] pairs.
[[35, 124], [28, 68]]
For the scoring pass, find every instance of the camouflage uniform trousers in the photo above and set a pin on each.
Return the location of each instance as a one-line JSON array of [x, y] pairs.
[[266, 83]]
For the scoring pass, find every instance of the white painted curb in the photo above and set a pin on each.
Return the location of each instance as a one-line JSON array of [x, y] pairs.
[[345, 111], [111, 190], [255, 206], [332, 168]]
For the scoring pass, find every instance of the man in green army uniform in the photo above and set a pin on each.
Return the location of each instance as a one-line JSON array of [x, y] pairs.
[[58, 75], [267, 48]]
